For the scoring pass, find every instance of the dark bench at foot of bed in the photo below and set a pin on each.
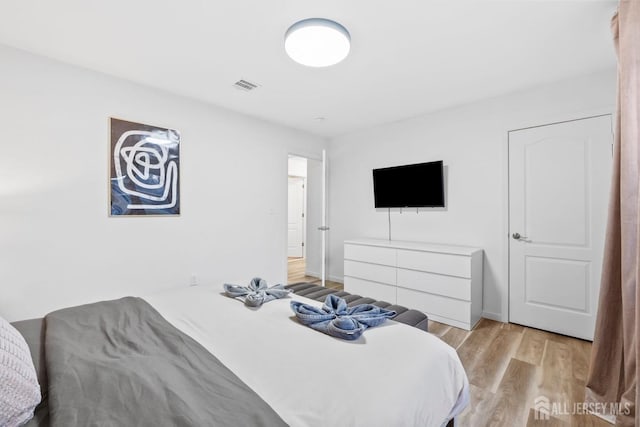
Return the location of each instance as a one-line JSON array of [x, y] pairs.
[[409, 317]]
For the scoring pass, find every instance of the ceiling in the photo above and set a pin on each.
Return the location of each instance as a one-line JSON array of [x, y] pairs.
[[408, 57]]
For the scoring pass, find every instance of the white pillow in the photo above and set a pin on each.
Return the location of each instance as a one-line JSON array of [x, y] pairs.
[[19, 388]]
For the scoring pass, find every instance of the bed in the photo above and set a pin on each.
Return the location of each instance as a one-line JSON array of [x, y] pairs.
[[274, 371]]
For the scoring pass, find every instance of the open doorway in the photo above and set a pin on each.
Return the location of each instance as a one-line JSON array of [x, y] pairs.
[[302, 199], [305, 220], [297, 204]]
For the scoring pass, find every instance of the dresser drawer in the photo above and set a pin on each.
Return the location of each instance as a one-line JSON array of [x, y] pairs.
[[369, 289], [435, 304], [448, 286], [449, 264], [371, 254], [372, 272]]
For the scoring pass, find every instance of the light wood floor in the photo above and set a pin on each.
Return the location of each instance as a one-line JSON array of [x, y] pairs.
[[509, 366], [297, 274]]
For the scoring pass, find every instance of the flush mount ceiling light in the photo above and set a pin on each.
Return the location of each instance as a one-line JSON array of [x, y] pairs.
[[317, 42]]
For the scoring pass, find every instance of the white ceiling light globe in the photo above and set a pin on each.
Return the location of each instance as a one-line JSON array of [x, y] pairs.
[[317, 42]]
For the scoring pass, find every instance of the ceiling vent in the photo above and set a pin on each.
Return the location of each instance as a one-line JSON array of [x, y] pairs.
[[245, 85]]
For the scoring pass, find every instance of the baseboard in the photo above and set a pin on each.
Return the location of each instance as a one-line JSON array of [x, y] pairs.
[[311, 273], [339, 279], [492, 316]]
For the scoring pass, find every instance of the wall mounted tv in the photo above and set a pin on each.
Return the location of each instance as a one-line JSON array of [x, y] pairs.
[[410, 186]]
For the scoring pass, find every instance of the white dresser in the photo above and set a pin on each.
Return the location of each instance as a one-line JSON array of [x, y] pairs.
[[443, 281]]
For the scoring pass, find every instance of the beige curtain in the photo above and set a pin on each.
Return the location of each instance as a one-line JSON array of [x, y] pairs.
[[616, 347]]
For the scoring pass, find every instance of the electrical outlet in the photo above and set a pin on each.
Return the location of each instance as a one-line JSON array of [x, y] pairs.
[[194, 280]]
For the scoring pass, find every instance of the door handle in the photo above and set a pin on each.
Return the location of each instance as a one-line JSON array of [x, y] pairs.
[[323, 228], [517, 236]]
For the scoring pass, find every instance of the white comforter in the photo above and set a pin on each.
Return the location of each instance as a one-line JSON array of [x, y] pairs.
[[394, 375]]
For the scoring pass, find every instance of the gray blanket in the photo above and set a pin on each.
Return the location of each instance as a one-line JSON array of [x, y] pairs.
[[119, 363]]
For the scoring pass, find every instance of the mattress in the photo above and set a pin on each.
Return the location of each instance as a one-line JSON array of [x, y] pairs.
[[393, 375]]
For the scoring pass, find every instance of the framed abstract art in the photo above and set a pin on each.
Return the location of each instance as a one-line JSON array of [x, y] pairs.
[[144, 170]]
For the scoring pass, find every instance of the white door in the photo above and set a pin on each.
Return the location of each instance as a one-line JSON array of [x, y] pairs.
[[559, 179], [296, 217]]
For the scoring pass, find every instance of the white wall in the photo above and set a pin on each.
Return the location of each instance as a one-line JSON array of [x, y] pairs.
[[58, 246], [297, 166], [472, 141]]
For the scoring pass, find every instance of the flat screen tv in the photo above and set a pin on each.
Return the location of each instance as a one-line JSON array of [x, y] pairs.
[[410, 186]]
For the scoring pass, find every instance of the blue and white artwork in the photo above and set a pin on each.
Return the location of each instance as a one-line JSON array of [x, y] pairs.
[[145, 169]]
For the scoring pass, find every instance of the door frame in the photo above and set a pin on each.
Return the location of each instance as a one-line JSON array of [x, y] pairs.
[[546, 120], [322, 158]]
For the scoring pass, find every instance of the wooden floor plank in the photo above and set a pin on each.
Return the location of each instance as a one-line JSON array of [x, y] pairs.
[[478, 413], [513, 327], [454, 336], [438, 329], [556, 379], [515, 394], [557, 362], [551, 422], [494, 359], [472, 349], [580, 354], [531, 348], [587, 420]]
